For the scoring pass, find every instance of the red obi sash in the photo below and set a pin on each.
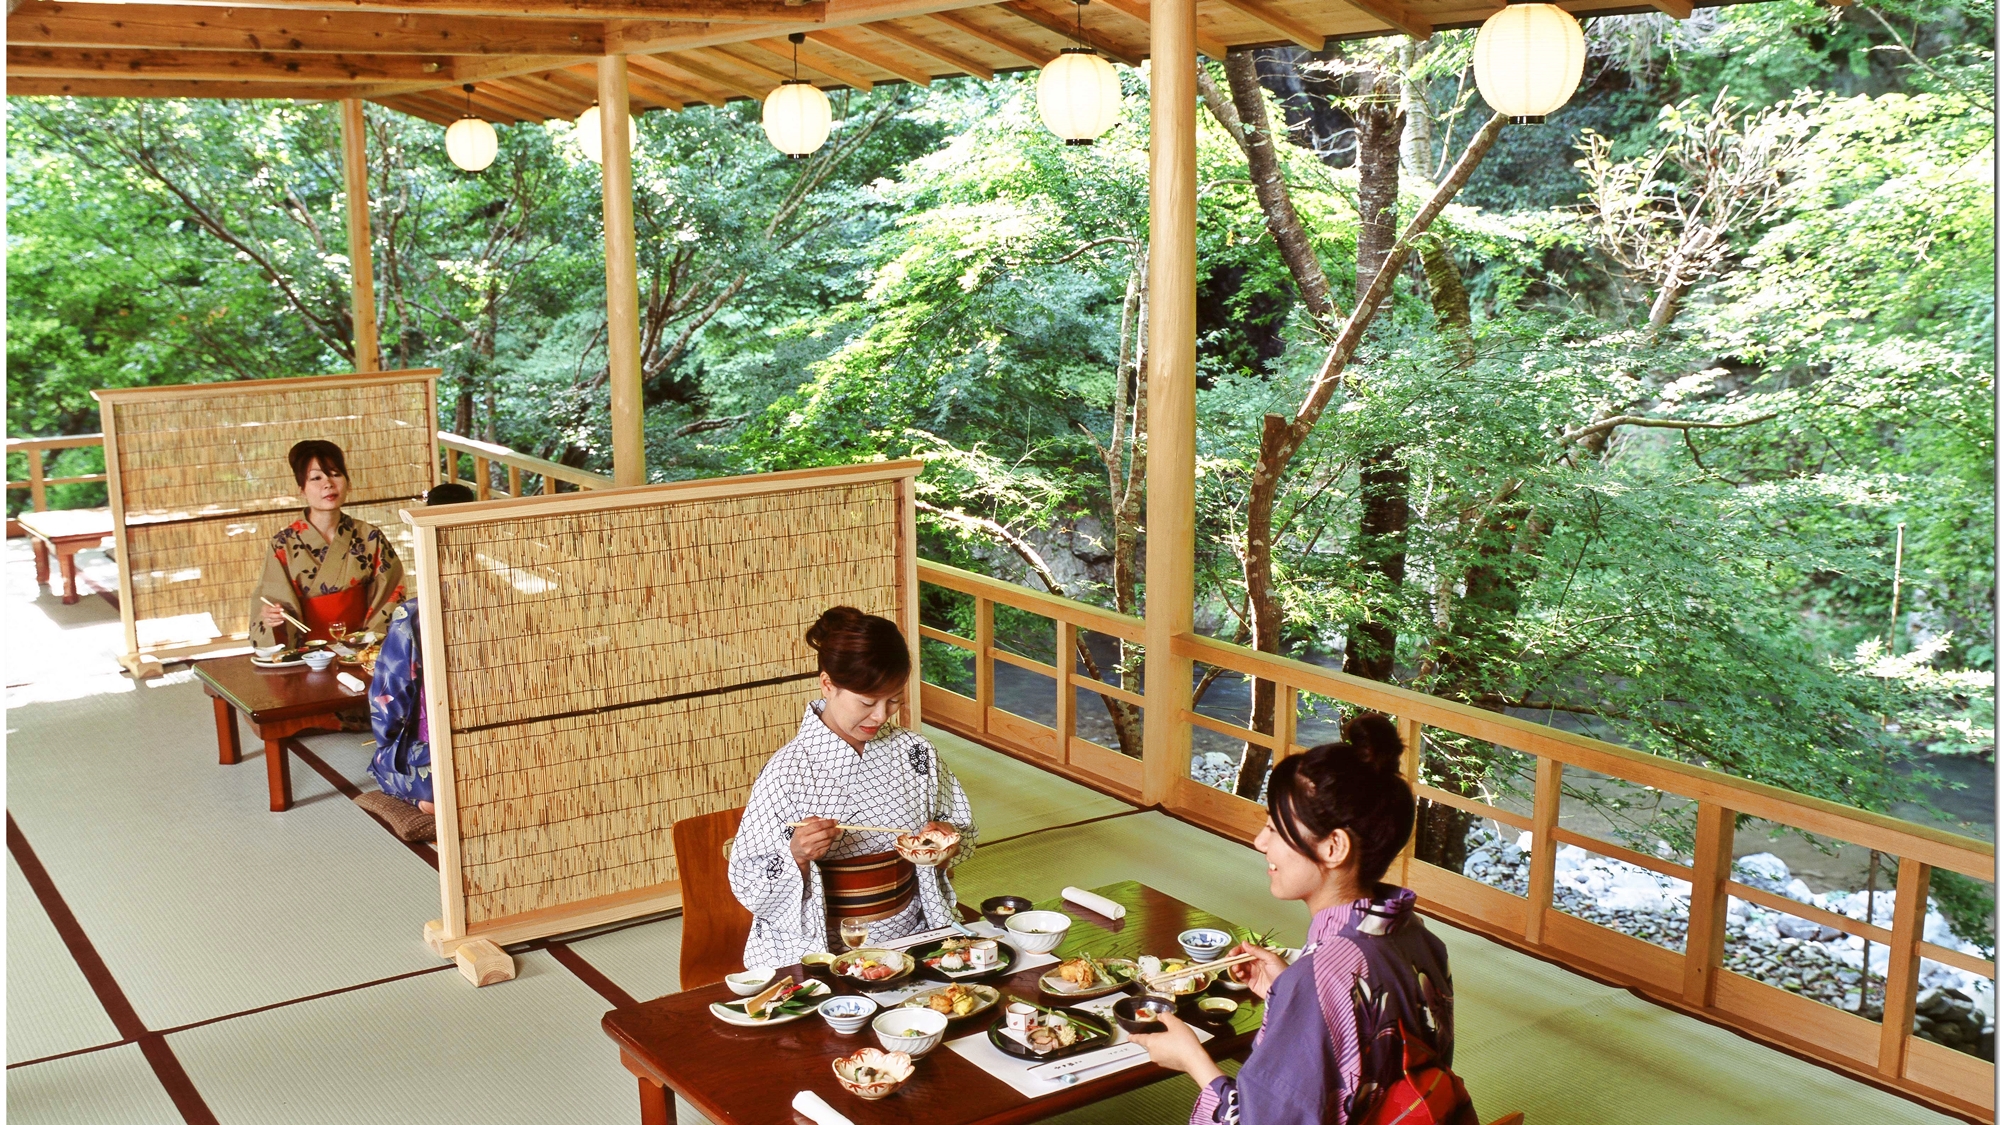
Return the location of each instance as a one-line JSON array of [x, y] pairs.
[[350, 607], [870, 887]]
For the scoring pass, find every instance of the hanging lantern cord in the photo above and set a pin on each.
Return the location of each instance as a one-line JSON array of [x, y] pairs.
[[468, 99], [1079, 21], [797, 37]]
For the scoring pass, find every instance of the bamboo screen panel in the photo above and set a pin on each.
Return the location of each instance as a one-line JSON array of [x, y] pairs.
[[203, 484], [607, 672]]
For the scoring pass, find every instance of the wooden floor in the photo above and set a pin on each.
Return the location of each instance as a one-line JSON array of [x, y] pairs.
[[175, 953]]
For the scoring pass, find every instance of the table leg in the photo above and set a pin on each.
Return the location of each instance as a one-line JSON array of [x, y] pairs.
[[41, 561], [656, 1103], [228, 741], [278, 765], [68, 561]]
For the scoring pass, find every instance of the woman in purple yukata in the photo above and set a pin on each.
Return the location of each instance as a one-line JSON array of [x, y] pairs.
[[1358, 1029]]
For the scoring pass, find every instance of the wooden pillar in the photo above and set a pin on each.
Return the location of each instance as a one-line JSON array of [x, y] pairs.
[[1170, 401], [621, 275], [1708, 902], [360, 252], [1899, 986]]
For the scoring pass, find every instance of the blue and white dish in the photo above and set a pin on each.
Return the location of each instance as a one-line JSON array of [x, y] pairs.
[[1204, 944], [848, 1014]]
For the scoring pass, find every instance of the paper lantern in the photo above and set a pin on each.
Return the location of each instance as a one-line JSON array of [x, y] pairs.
[[1527, 60], [1078, 96], [471, 144], [797, 118], [590, 134]]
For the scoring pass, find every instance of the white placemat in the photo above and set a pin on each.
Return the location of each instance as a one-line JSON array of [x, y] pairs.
[[1040, 1079]]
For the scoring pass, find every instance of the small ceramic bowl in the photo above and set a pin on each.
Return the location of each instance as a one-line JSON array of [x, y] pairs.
[[1002, 907], [318, 659], [871, 1075], [1205, 944], [268, 652], [913, 1031], [750, 981], [1214, 1010], [1129, 1012], [818, 964], [848, 1014], [1037, 931], [926, 849]]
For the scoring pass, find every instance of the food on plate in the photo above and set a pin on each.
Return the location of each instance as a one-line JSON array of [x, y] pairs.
[[1003, 908], [867, 968], [1179, 986], [785, 997], [953, 1000], [1078, 972], [870, 1073], [1146, 1015]]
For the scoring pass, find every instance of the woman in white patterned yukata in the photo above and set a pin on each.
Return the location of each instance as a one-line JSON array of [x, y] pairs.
[[849, 764]]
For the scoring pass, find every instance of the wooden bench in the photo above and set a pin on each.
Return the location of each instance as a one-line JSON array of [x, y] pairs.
[[65, 533]]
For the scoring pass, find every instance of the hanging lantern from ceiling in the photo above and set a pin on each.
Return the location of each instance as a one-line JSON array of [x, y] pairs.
[[1078, 93], [1527, 60], [471, 142], [797, 116], [590, 134]]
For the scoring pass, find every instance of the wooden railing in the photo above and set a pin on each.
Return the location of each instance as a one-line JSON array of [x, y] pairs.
[[37, 483], [1694, 981], [520, 469]]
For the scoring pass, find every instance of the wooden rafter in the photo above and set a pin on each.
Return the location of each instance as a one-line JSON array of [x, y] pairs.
[[508, 96], [710, 11], [813, 61], [952, 60], [650, 67], [415, 106], [731, 58], [1105, 45], [182, 88], [1142, 11], [1679, 9], [175, 27], [1019, 48], [556, 90], [507, 66], [711, 75], [643, 88], [441, 109], [861, 52], [72, 62], [1411, 23], [1279, 22]]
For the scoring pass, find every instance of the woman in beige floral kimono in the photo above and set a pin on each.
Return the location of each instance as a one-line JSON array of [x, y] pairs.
[[326, 567]]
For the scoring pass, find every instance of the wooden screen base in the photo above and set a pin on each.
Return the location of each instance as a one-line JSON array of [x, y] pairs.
[[483, 962]]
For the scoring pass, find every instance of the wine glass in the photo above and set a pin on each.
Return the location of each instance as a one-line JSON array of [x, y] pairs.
[[337, 631], [853, 932]]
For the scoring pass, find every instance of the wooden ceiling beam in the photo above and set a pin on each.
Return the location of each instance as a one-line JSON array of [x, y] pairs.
[[681, 86], [643, 88], [556, 91], [710, 73], [181, 88], [1019, 48], [509, 94], [494, 69], [72, 62], [725, 55], [812, 61], [952, 60], [438, 108], [861, 53], [488, 99], [1142, 11], [1049, 20], [1411, 23], [179, 27], [1679, 9], [1279, 22], [413, 106], [707, 11]]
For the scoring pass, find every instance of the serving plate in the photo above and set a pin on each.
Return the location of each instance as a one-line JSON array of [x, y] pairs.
[[291, 659], [732, 1012], [905, 965], [987, 997], [1052, 983], [997, 1035], [933, 949]]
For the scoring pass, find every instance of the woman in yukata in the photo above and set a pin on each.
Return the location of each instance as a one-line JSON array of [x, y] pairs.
[[849, 764], [326, 568], [1359, 1028]]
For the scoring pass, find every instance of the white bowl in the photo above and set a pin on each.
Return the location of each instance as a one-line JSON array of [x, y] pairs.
[[892, 1028], [848, 1014], [749, 982], [268, 652], [1205, 944], [1038, 931], [319, 660]]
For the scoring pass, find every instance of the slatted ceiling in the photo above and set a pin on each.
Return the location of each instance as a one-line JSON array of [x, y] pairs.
[[682, 65], [930, 45], [652, 70], [736, 56], [1017, 49], [500, 100], [811, 61], [849, 42]]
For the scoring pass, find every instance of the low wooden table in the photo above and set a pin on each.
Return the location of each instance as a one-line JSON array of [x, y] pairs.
[[279, 703], [747, 1076], [64, 533]]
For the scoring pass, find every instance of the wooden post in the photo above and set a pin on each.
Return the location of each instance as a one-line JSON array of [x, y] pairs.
[[38, 497], [1542, 861], [982, 657], [1899, 988], [360, 252], [482, 476], [1065, 691], [1708, 902], [621, 275], [1412, 733], [1170, 401]]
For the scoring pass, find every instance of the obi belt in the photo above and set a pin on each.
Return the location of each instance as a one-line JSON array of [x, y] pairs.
[[869, 887]]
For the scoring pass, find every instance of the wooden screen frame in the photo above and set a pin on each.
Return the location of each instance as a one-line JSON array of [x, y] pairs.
[[146, 660], [446, 933]]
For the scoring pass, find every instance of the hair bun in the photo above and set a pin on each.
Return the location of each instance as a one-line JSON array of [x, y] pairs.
[[839, 619], [1374, 736]]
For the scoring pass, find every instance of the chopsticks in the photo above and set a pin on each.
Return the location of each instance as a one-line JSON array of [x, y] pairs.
[[296, 623], [1202, 967], [854, 827]]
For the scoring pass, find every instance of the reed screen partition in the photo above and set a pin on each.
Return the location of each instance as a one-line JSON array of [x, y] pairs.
[[1692, 979], [601, 664], [199, 484]]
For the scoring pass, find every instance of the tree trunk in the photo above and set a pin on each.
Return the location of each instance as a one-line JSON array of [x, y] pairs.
[[1281, 218], [1418, 153], [1385, 482], [1266, 617]]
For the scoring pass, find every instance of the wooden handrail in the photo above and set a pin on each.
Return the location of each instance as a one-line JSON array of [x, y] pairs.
[[37, 484], [486, 454]]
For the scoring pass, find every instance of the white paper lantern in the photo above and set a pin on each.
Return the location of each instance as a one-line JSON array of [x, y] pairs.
[[797, 118], [1078, 96], [1527, 60], [471, 144], [590, 134]]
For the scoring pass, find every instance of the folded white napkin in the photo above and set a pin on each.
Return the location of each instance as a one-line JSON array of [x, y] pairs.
[[815, 1108], [351, 682], [1095, 903]]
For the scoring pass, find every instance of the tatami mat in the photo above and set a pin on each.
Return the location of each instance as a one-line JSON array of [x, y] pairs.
[[420, 1050], [113, 1087], [1010, 796], [57, 651], [200, 900], [50, 1008], [644, 960]]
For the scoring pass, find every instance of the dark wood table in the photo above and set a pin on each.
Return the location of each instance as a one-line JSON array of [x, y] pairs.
[[64, 533], [279, 703], [747, 1076]]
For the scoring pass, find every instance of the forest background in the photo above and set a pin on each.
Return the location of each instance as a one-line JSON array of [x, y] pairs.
[[1628, 447]]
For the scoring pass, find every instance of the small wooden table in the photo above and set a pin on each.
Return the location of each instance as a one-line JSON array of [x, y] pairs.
[[65, 533], [747, 1076], [279, 703]]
